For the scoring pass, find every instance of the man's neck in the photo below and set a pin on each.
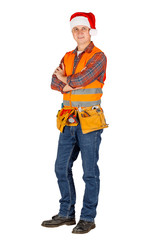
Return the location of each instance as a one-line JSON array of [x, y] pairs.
[[81, 47]]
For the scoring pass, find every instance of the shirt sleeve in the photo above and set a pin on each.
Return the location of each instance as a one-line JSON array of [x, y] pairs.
[[56, 84], [95, 70]]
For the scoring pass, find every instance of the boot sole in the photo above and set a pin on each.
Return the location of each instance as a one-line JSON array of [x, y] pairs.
[[58, 225], [77, 232]]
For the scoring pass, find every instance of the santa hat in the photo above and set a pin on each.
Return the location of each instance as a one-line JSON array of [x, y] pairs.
[[85, 19]]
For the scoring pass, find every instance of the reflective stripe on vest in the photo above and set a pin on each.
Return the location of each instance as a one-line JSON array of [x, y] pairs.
[[87, 91], [86, 96], [82, 104]]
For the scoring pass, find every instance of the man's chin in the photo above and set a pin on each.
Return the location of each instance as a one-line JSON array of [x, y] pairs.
[[81, 40]]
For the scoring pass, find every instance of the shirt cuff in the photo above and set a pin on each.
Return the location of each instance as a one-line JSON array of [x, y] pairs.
[[61, 86], [69, 81]]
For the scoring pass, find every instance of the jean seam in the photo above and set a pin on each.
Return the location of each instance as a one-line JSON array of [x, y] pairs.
[[96, 149], [96, 163], [69, 207]]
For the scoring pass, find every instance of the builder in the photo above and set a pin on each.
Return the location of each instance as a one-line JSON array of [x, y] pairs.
[[80, 78]]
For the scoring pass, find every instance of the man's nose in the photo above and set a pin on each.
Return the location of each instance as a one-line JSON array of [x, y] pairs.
[[80, 31]]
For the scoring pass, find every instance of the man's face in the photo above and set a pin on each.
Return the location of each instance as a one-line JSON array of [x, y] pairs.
[[81, 34]]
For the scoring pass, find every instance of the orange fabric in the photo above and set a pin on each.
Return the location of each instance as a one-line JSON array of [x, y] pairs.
[[86, 97], [69, 63]]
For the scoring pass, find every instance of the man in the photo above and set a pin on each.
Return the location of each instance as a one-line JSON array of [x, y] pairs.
[[80, 78]]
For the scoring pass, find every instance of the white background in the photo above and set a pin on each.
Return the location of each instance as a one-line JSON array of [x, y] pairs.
[[34, 37]]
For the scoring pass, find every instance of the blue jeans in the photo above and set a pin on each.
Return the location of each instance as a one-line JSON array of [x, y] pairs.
[[71, 142]]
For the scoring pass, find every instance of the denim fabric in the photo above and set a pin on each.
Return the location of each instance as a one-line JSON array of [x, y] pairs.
[[71, 142]]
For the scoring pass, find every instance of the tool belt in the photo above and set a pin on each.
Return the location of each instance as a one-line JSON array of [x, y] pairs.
[[90, 118]]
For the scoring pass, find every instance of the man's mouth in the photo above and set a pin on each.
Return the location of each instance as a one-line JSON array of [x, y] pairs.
[[80, 37]]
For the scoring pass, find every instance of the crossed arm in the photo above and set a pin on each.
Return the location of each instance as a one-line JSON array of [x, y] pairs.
[[95, 69], [59, 80], [60, 74]]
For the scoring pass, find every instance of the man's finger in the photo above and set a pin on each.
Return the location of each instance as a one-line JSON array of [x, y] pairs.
[[63, 66], [59, 69]]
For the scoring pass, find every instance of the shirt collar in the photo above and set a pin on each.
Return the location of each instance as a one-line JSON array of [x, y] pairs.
[[88, 49]]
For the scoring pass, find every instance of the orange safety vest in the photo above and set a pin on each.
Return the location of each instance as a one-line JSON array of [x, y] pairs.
[[89, 95]]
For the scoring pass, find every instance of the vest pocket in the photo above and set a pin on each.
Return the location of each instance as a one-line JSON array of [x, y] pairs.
[[92, 120]]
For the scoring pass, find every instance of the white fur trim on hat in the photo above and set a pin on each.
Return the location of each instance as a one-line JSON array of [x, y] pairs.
[[93, 32], [79, 21]]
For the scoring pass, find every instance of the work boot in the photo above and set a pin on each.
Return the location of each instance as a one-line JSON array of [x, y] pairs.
[[83, 227], [58, 221]]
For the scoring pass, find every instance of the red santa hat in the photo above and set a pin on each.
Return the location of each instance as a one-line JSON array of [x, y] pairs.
[[85, 19]]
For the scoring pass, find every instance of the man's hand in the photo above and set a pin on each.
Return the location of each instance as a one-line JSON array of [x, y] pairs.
[[67, 88], [60, 74]]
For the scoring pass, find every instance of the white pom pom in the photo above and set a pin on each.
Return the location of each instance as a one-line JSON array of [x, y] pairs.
[[93, 32]]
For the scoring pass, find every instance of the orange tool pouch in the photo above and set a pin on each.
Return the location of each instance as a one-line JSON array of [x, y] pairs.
[[62, 117], [92, 119]]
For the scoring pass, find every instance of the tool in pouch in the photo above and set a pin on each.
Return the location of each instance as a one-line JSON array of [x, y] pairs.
[[92, 119], [62, 117], [73, 118], [66, 117]]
